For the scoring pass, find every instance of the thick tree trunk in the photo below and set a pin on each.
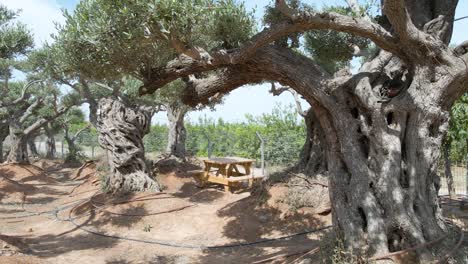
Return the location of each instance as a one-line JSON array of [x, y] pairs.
[[32, 146], [1, 152], [72, 149], [121, 130], [51, 151], [18, 145], [93, 109], [448, 171], [383, 171], [3, 135], [176, 132], [313, 159]]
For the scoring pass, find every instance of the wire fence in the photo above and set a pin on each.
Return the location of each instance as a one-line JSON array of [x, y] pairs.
[[459, 175], [459, 169]]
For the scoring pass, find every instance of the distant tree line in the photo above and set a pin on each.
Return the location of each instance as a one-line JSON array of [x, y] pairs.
[[283, 132]]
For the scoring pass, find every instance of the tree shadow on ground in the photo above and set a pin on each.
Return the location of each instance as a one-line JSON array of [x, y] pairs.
[[198, 195], [173, 259], [51, 245], [107, 210], [249, 221], [295, 247], [7, 173], [170, 165]]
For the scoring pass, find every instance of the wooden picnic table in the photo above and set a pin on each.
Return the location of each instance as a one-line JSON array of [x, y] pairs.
[[227, 171]]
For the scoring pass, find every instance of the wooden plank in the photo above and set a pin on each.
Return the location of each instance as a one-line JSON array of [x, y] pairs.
[[244, 178], [217, 179], [227, 160]]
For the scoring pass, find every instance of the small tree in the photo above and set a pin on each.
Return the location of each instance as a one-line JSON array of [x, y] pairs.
[[73, 125]]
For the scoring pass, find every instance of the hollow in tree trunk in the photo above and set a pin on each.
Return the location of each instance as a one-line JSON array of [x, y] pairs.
[[176, 132], [312, 159], [121, 130]]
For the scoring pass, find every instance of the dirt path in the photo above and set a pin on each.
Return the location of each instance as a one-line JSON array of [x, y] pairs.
[[184, 216]]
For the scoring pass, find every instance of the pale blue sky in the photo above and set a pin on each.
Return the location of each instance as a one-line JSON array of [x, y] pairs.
[[40, 15]]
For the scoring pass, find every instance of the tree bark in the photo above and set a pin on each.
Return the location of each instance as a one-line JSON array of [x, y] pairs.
[[121, 130], [4, 130], [176, 130], [51, 150], [18, 145], [72, 150], [72, 155], [32, 146], [448, 171], [19, 136], [313, 159]]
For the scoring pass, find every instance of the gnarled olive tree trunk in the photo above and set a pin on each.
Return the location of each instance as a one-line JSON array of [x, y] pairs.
[[18, 145], [176, 130], [72, 150], [72, 155], [312, 159], [51, 150], [32, 146], [121, 130], [4, 131]]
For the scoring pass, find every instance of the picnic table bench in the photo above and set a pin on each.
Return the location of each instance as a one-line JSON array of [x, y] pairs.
[[226, 171]]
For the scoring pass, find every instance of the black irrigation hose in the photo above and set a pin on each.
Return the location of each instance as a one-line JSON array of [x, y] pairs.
[[176, 245], [57, 209], [169, 244], [166, 243]]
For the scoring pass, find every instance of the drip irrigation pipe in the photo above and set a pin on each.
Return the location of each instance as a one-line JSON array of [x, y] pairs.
[[71, 219]]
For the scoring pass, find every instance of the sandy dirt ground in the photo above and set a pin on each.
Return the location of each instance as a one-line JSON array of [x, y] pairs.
[[51, 213]]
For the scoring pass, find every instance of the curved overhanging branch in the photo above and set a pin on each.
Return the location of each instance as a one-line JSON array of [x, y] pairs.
[[258, 58], [187, 64], [269, 64], [40, 122]]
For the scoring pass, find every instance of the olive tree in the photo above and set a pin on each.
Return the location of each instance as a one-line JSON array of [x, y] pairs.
[[383, 126], [16, 40]]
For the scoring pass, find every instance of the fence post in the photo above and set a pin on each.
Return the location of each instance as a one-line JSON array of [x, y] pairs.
[[262, 151], [210, 144], [466, 175]]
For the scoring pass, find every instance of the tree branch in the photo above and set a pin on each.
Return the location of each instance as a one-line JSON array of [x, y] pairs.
[[277, 91], [77, 134], [461, 49], [269, 64], [30, 110], [24, 95], [300, 21], [354, 5], [39, 123], [422, 46], [399, 17]]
